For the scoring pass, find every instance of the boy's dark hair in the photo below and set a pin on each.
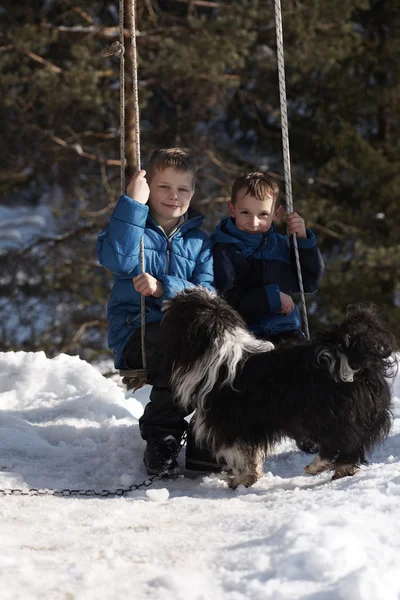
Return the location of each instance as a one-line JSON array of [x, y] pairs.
[[175, 158], [256, 184]]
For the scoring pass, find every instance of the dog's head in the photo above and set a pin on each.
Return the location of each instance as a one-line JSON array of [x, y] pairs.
[[359, 342], [193, 320]]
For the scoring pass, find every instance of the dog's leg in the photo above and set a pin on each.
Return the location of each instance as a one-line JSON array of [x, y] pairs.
[[347, 464], [244, 465], [319, 464], [345, 471]]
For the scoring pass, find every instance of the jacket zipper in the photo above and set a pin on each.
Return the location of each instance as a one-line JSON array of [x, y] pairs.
[[169, 245], [168, 251], [169, 248]]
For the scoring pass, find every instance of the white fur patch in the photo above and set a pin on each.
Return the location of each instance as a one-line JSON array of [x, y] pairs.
[[345, 371], [234, 347], [326, 359], [203, 435]]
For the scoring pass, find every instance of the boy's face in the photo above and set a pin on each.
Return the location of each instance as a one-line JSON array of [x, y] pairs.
[[170, 194], [252, 215]]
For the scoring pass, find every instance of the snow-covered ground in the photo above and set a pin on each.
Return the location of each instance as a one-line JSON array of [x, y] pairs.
[[291, 536]]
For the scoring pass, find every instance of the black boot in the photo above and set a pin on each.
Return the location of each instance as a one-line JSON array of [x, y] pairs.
[[200, 459], [160, 455]]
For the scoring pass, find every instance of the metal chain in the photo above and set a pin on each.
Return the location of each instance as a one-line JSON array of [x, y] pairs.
[[286, 152], [68, 493]]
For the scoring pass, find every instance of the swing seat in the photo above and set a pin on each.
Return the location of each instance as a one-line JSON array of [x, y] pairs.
[[134, 379]]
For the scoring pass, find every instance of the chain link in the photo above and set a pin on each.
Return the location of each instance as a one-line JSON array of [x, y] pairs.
[[68, 493]]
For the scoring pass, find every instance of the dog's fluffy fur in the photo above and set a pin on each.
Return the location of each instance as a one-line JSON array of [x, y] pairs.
[[248, 395]]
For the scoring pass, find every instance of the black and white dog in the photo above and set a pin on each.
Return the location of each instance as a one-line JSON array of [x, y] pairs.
[[248, 395]]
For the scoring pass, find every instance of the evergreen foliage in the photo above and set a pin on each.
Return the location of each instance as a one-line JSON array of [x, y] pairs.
[[208, 80]]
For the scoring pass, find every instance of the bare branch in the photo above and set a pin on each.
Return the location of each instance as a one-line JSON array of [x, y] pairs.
[[83, 14], [224, 166], [55, 68], [80, 332], [98, 213], [200, 3], [108, 33], [77, 148], [45, 62], [57, 239], [10, 176], [151, 12], [326, 230]]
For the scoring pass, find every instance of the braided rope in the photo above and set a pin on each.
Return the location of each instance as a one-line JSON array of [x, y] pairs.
[[118, 49], [138, 164], [122, 95], [286, 152]]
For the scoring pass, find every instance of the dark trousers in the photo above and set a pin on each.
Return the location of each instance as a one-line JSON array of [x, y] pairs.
[[162, 415]]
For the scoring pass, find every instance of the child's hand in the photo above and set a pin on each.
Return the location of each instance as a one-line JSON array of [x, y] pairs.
[[147, 285], [138, 188], [296, 225], [287, 304]]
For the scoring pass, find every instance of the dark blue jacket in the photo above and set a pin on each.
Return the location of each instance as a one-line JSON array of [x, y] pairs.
[[180, 261], [252, 268]]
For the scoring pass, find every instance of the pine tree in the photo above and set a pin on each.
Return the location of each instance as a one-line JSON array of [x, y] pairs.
[[208, 81], [342, 66]]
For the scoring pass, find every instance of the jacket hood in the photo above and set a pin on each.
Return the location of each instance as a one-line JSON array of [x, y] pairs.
[[226, 232]]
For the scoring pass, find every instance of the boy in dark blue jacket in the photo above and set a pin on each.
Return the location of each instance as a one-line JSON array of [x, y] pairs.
[[178, 255], [255, 267]]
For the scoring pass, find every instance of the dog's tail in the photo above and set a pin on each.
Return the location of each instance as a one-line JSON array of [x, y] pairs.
[[206, 342], [359, 343]]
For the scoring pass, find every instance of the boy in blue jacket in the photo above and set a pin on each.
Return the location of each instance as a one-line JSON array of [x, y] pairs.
[[255, 267], [178, 255]]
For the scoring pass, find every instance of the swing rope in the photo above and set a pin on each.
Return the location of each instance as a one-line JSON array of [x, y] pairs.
[[132, 378], [138, 163], [136, 378], [286, 152]]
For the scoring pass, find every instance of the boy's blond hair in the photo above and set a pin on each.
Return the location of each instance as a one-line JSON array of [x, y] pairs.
[[256, 184], [175, 158]]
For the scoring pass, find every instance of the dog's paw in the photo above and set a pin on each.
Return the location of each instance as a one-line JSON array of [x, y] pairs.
[[345, 471], [318, 465], [232, 483], [246, 479]]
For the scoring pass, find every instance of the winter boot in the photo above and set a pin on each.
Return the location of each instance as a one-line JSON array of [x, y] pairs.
[[160, 455], [200, 459]]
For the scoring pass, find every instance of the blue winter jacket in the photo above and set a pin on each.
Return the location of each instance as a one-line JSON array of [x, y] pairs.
[[250, 270], [183, 260]]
